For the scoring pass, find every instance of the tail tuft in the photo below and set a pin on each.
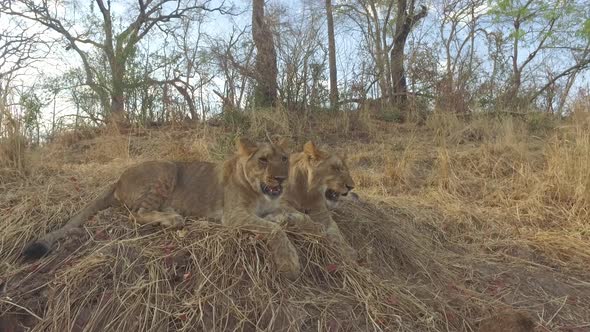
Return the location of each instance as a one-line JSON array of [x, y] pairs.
[[36, 250]]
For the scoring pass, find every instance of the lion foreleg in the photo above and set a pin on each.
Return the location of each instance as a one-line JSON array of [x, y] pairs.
[[335, 235], [333, 232], [283, 252]]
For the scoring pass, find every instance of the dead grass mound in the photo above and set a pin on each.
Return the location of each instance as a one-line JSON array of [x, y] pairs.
[[114, 276], [391, 244], [211, 278]]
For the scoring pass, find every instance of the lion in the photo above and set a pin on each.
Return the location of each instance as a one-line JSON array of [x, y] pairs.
[[242, 191], [317, 181]]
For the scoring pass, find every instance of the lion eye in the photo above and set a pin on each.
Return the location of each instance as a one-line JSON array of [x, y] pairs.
[[263, 160], [285, 159]]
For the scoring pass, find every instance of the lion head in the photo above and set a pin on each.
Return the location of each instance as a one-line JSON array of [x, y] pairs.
[[264, 166], [329, 172]]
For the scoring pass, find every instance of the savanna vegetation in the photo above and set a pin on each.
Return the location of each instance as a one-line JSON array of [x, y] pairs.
[[465, 125]]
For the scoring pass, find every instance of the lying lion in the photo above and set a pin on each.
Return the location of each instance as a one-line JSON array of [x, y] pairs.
[[317, 180], [241, 191]]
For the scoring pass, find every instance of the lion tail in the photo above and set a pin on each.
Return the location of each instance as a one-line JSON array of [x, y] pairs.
[[43, 245]]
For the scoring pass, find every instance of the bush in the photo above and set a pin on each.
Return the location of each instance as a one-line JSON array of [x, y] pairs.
[[540, 122]]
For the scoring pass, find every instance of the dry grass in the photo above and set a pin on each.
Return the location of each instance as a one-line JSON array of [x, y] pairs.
[[12, 152], [460, 220]]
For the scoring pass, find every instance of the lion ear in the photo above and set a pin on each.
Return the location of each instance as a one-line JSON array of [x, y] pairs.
[[312, 151], [245, 147], [284, 143]]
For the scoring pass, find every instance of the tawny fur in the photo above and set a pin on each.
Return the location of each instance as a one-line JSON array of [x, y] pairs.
[[312, 173], [165, 192]]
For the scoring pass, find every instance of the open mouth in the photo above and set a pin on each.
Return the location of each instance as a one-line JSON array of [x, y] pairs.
[[333, 195], [272, 191]]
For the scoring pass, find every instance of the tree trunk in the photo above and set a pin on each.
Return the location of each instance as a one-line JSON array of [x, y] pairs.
[[398, 74], [2, 103], [53, 117], [380, 49], [117, 116], [516, 73], [405, 21], [117, 110], [189, 101], [332, 57], [265, 92]]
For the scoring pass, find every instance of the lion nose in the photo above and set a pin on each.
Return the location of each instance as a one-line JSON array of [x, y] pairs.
[[349, 187], [280, 179]]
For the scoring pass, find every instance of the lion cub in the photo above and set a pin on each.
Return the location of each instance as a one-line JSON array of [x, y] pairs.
[[317, 180], [241, 191]]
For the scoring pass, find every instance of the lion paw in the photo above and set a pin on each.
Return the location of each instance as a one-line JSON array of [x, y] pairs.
[[295, 217], [173, 220], [302, 223], [279, 218], [285, 257]]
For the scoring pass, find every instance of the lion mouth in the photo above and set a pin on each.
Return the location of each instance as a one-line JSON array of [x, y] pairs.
[[272, 191], [333, 195]]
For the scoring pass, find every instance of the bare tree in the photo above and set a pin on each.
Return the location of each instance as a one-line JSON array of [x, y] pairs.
[[266, 58], [540, 34], [235, 59], [301, 51], [374, 19], [385, 26], [406, 19], [332, 56], [581, 62], [192, 73], [458, 26], [117, 45], [20, 47]]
